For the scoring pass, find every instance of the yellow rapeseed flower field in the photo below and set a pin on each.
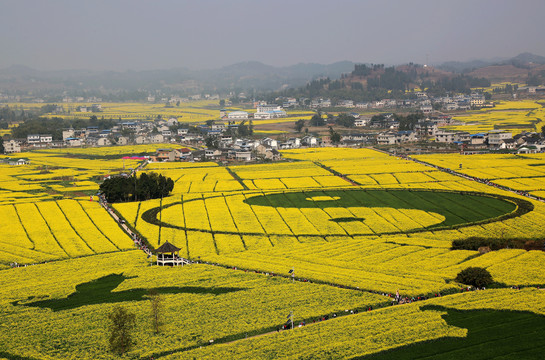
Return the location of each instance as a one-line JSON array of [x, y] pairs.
[[355, 225]]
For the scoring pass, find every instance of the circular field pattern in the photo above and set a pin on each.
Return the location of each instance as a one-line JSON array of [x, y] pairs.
[[335, 212]]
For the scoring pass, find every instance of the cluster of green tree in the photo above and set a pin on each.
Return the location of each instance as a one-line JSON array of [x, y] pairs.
[[299, 125], [345, 120], [393, 79], [364, 70], [132, 188], [318, 120], [475, 276], [315, 87], [408, 122]]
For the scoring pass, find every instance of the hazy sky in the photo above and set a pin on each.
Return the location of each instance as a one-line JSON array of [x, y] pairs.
[[161, 34]]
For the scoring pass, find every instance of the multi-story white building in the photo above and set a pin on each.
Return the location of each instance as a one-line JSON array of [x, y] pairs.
[[233, 115], [269, 112], [477, 101], [362, 121], [392, 138], [446, 137], [496, 137], [12, 146], [39, 138]]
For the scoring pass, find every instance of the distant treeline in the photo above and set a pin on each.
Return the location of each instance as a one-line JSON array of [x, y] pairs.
[[31, 123], [382, 82]]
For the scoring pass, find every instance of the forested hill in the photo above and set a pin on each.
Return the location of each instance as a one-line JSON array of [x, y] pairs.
[[377, 81]]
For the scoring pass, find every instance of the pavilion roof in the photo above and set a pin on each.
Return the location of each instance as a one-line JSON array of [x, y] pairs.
[[167, 248]]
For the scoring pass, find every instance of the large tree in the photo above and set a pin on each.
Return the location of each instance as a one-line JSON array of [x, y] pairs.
[[346, 120], [299, 125], [317, 120], [334, 136]]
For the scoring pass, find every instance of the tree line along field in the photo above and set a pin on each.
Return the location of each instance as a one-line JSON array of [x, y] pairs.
[[356, 224], [195, 111]]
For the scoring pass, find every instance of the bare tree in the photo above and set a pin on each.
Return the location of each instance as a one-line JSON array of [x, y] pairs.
[[156, 310], [122, 324]]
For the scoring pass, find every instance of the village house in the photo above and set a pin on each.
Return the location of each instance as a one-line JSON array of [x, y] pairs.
[[156, 138], [509, 144], [243, 155], [357, 138], [183, 154], [212, 154], [12, 146], [72, 142], [122, 140], [452, 137], [164, 155], [392, 138], [309, 140], [271, 143], [218, 126], [426, 128], [478, 139], [141, 139]]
